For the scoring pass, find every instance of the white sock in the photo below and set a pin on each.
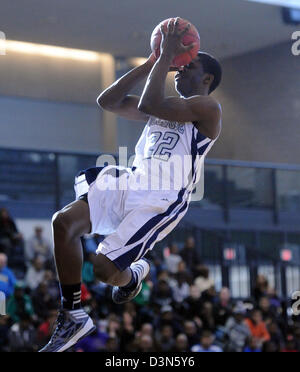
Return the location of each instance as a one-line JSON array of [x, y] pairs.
[[140, 268]]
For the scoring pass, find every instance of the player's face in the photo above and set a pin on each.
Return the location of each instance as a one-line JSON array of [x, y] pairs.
[[189, 77]]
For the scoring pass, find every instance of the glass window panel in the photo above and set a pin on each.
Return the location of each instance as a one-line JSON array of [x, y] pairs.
[[215, 273], [288, 190], [292, 279], [239, 279], [268, 271], [213, 188], [249, 187]]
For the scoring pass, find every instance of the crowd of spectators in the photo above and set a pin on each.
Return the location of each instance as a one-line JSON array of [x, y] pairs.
[[177, 310]]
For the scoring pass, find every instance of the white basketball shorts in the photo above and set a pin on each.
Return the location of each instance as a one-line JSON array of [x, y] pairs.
[[132, 220]]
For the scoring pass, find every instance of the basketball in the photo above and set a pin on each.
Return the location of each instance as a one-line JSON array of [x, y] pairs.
[[190, 37]]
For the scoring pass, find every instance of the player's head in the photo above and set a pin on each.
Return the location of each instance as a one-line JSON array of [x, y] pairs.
[[203, 75]]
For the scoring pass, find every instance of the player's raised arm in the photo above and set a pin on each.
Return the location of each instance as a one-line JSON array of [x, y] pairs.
[[193, 83], [116, 98]]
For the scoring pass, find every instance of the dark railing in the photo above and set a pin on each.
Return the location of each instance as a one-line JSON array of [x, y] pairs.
[[252, 207], [48, 177]]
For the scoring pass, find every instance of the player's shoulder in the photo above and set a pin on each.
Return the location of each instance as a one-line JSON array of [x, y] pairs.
[[207, 101]]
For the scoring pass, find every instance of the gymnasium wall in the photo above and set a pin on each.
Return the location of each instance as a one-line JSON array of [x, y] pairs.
[[49, 104], [260, 96], [43, 125]]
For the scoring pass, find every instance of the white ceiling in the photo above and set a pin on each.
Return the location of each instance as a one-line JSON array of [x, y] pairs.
[[123, 27]]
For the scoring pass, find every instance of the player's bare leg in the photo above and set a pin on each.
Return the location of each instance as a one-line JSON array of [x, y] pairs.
[[128, 283], [69, 225]]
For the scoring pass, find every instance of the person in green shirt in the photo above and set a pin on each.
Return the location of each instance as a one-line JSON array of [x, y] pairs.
[[19, 303]]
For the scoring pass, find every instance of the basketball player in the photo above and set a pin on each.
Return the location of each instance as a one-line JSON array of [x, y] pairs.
[[134, 220]]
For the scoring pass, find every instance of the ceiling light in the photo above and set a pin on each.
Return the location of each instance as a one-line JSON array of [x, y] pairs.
[[51, 51]]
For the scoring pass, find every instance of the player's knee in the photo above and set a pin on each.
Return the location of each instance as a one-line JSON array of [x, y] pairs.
[[61, 224]]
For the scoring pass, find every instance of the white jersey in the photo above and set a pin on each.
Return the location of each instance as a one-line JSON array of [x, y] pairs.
[[178, 149], [135, 218]]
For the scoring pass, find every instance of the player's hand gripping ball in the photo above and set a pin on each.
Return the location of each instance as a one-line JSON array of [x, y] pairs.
[[178, 37]]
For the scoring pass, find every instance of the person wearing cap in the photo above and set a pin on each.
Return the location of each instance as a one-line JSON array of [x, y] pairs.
[[237, 331]]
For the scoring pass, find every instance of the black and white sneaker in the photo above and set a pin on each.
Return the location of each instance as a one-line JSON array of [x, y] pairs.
[[72, 326], [120, 295]]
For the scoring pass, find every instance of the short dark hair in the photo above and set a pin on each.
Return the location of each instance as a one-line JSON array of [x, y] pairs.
[[211, 66]]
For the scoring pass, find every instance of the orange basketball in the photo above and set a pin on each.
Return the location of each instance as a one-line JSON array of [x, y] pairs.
[[190, 37]]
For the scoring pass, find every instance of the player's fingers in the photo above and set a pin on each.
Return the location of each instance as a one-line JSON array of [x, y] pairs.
[[189, 47], [162, 30], [171, 25], [176, 24], [185, 30]]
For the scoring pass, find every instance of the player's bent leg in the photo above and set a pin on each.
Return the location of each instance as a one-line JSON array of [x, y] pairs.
[[139, 271], [126, 283], [68, 226], [107, 272], [73, 324]]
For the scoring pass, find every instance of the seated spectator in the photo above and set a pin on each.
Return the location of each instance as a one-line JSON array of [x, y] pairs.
[[206, 344], [53, 287], [35, 273], [162, 293], [257, 327], [85, 295], [189, 255], [203, 281], [276, 335], [207, 316], [88, 276], [7, 277], [147, 329], [237, 331], [43, 300], [173, 259], [254, 346], [192, 332], [45, 330], [223, 308], [290, 345], [38, 245], [165, 341], [11, 242], [270, 347], [9, 235], [19, 303], [22, 335], [128, 331], [193, 304], [145, 344], [268, 312], [168, 317], [180, 287], [112, 345], [94, 343], [261, 288], [4, 330], [181, 344], [143, 298]]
